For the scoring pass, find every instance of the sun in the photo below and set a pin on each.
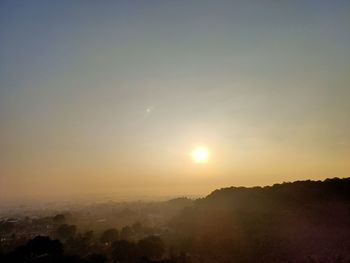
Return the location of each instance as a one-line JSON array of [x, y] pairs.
[[200, 154]]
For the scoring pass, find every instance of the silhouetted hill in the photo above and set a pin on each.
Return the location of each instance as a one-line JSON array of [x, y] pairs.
[[304, 221], [286, 195]]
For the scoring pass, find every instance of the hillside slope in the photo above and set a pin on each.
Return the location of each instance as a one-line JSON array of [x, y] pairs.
[[304, 221]]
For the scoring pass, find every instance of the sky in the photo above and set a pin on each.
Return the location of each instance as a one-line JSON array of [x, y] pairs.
[[111, 97]]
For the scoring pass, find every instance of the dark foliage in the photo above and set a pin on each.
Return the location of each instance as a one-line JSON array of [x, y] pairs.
[[65, 232], [151, 247], [109, 236], [59, 219], [39, 249], [300, 222], [304, 221]]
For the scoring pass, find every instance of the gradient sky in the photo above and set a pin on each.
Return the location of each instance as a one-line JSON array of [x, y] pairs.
[[110, 97]]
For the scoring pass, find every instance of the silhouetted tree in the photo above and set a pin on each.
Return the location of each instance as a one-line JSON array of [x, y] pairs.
[[109, 236], [65, 232], [124, 251], [59, 219], [89, 235], [151, 247], [39, 249], [126, 233], [96, 258]]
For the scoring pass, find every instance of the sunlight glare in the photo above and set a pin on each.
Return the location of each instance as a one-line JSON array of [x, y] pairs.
[[200, 154]]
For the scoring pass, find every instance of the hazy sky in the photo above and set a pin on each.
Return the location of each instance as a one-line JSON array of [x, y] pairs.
[[110, 97]]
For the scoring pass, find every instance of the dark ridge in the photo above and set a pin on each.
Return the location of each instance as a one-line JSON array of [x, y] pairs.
[[286, 194]]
